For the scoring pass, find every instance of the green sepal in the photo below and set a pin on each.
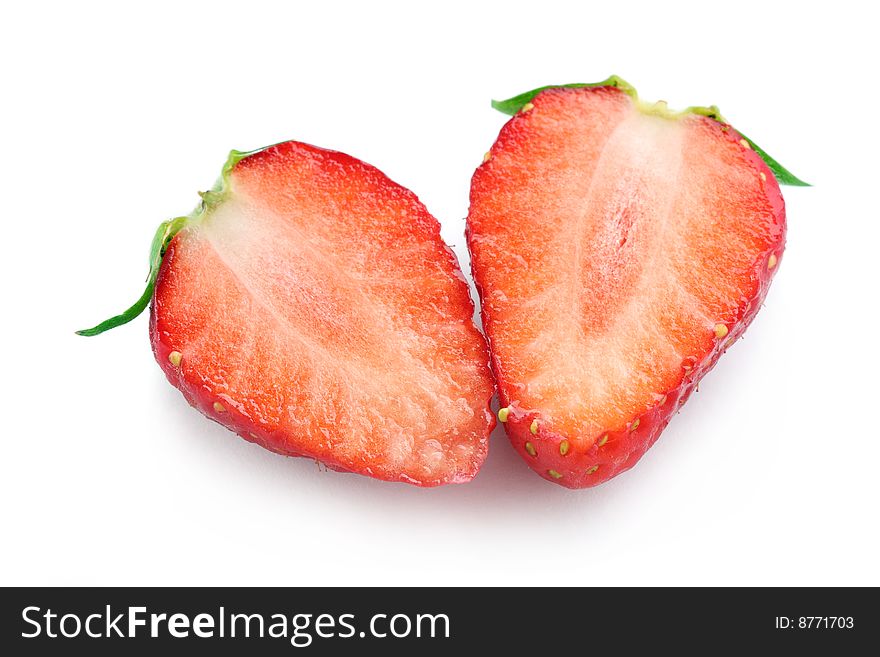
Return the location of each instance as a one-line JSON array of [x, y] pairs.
[[512, 106], [164, 234], [783, 175]]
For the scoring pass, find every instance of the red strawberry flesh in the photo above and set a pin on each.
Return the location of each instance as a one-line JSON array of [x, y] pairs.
[[314, 309], [618, 249]]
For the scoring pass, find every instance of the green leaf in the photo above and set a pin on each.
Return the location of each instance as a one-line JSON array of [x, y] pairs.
[[165, 233], [513, 105]]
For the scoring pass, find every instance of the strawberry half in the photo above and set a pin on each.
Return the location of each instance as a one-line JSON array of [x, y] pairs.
[[618, 248], [310, 305]]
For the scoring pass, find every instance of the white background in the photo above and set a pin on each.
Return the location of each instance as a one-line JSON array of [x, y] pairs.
[[113, 118]]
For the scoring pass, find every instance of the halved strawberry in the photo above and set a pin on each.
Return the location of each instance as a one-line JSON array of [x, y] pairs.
[[619, 248], [310, 305]]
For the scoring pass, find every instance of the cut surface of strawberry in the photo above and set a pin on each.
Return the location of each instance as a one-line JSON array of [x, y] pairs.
[[618, 248], [310, 305]]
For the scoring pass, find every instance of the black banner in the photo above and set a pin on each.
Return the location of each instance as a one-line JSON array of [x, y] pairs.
[[423, 621]]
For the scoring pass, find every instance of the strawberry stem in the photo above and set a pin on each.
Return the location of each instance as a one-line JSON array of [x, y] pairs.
[[164, 234]]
